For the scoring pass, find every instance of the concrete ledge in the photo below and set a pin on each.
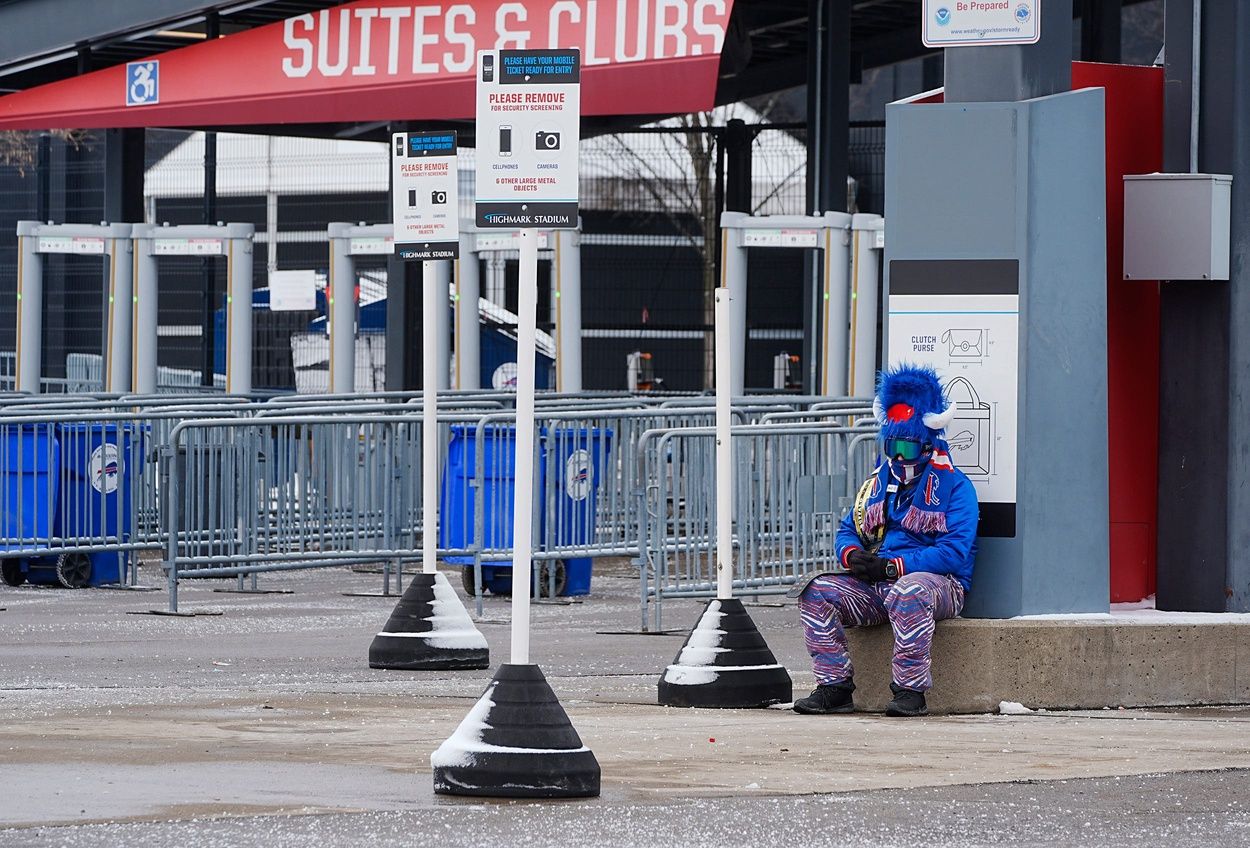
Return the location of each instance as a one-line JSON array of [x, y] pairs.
[[1069, 663]]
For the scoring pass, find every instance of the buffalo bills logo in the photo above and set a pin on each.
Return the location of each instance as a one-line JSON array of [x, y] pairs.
[[930, 491], [104, 468]]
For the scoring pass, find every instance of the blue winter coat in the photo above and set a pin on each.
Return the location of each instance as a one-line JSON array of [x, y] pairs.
[[950, 553]]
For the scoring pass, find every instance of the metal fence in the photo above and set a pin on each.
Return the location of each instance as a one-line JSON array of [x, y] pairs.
[[227, 486], [793, 483]]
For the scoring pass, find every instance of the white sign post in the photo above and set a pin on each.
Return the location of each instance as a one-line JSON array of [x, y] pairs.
[[527, 135], [970, 23], [425, 200], [426, 227], [528, 130]]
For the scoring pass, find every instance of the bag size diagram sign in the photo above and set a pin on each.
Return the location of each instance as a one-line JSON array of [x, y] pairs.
[[426, 203], [528, 113]]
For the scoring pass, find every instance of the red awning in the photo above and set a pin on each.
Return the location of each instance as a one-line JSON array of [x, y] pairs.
[[381, 60]]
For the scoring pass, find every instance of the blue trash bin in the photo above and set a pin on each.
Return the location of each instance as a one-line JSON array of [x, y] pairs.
[[98, 464], [573, 454], [30, 463]]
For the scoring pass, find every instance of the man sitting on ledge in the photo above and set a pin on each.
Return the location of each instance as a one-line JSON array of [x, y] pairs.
[[906, 550]]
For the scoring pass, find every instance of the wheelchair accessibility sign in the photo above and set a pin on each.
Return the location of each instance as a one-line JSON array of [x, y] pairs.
[[143, 83]]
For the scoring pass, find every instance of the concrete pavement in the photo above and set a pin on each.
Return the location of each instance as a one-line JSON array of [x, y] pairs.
[[268, 715]]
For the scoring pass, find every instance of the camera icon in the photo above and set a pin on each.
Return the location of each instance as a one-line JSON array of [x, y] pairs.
[[438, 197], [547, 140]]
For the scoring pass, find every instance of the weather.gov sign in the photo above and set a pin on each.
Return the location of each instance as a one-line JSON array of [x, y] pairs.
[[968, 23]]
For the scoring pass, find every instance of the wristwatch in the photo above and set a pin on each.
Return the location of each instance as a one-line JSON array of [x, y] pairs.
[[891, 571]]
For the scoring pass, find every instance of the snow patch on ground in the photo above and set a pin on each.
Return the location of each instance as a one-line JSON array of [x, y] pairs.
[[1013, 708]]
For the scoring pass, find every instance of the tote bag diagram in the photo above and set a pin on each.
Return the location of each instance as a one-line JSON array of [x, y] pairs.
[[970, 435]]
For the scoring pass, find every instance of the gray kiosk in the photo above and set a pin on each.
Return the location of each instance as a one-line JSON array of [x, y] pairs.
[[996, 276]]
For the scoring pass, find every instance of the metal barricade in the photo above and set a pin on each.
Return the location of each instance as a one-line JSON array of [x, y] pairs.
[[793, 483]]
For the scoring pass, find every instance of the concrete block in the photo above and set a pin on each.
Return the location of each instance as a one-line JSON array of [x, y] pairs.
[[1072, 663]]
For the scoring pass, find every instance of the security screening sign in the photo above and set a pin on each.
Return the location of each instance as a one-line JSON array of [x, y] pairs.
[[425, 202], [968, 23], [528, 129]]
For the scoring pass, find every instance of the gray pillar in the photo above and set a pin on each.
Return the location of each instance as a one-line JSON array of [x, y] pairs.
[[566, 275], [442, 323], [733, 276], [239, 308], [1015, 72], [144, 314], [29, 309], [468, 344], [342, 311], [117, 362], [834, 304], [865, 296]]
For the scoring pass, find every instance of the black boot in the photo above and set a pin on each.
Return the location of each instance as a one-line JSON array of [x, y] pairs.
[[906, 702], [828, 699]]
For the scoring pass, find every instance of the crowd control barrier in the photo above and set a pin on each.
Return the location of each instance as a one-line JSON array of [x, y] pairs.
[[793, 484]]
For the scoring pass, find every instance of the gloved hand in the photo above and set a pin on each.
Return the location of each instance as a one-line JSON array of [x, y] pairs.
[[867, 567]]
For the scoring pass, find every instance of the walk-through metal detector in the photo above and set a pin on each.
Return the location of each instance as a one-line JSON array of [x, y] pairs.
[[348, 241], [847, 334], [234, 242], [36, 240], [564, 248]]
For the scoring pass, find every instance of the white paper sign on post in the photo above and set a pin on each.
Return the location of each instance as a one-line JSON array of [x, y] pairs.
[[528, 130], [292, 291], [968, 23], [425, 198]]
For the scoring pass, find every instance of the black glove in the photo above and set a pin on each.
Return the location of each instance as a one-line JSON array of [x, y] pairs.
[[867, 567]]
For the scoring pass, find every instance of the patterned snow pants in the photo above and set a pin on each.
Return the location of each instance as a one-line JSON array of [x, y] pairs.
[[913, 605]]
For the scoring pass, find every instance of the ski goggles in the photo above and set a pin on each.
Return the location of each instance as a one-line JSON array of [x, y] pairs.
[[905, 449]]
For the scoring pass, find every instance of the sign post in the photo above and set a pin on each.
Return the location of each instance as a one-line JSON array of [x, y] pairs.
[[725, 661], [528, 115], [430, 628]]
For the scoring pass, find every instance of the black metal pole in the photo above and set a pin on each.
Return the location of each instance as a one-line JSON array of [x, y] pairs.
[[828, 142], [212, 30], [1100, 30], [738, 166]]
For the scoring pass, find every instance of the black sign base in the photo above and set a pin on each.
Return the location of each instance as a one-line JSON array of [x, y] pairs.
[[516, 742], [429, 630], [725, 663]]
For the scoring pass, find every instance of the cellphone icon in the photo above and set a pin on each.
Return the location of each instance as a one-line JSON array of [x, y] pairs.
[[505, 140], [488, 67]]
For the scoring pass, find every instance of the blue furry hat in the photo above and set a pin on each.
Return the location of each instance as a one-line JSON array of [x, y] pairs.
[[910, 404]]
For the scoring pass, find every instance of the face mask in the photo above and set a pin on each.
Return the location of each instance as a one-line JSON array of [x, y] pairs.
[[906, 472]]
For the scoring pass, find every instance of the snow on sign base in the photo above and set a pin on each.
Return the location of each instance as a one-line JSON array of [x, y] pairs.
[[426, 200], [528, 131], [968, 23]]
